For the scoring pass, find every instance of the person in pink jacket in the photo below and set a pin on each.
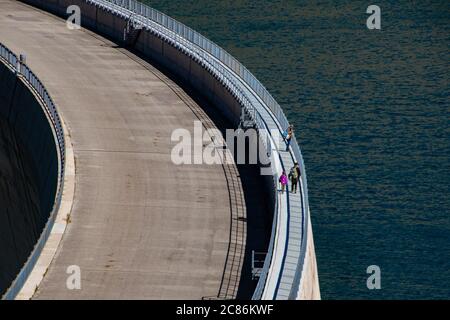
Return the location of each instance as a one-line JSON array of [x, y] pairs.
[[283, 181]]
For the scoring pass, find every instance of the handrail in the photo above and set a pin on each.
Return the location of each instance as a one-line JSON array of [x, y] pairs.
[[185, 38], [25, 73]]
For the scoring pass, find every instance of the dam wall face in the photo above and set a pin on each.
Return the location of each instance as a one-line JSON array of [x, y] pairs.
[[28, 173], [20, 214]]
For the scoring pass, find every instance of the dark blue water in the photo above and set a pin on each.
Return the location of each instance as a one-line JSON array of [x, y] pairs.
[[371, 110]]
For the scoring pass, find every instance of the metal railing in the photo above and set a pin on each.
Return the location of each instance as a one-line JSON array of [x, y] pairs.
[[199, 48], [24, 73]]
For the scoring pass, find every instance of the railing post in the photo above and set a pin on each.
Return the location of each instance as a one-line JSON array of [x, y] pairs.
[[17, 66], [21, 61]]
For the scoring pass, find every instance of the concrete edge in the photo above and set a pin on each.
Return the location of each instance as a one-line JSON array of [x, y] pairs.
[[62, 219], [309, 288]]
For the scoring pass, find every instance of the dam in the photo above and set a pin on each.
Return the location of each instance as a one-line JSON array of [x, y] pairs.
[[137, 225]]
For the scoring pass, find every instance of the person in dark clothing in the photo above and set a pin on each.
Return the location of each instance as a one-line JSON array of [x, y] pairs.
[[293, 175], [298, 170]]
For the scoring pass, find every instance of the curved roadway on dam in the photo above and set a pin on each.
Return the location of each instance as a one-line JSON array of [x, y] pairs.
[[140, 226]]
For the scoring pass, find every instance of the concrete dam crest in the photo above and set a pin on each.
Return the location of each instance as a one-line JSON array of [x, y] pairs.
[[141, 226]]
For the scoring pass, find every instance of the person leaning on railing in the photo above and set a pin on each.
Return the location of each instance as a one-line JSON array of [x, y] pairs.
[[288, 135]]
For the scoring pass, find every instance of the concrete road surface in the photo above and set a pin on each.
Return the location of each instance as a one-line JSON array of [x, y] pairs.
[[141, 227]]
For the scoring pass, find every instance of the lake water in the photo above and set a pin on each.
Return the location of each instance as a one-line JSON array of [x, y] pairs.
[[371, 111]]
